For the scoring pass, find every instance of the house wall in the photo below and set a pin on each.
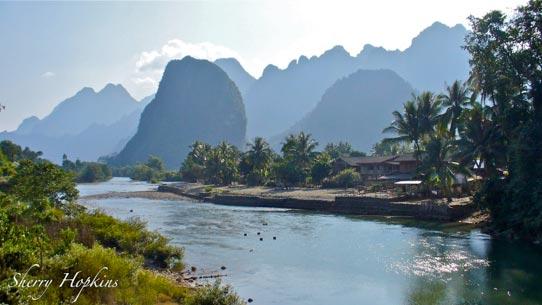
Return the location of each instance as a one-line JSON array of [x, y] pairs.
[[373, 171], [406, 167]]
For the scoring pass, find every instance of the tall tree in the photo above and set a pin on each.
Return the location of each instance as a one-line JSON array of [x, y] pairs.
[[221, 167], [257, 160], [429, 112], [298, 154], [406, 126], [479, 142], [506, 61], [193, 167], [455, 99]]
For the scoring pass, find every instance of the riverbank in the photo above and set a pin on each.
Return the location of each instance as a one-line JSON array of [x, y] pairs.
[[344, 201], [153, 195], [341, 201]]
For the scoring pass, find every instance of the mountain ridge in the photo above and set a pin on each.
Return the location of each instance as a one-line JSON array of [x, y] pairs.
[[281, 97]]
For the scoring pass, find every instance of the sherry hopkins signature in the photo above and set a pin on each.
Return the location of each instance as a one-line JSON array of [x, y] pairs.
[[74, 281]]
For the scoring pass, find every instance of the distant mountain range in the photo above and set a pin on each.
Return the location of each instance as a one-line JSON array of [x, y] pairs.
[[280, 98], [237, 73], [200, 100], [196, 100], [87, 125], [355, 109]]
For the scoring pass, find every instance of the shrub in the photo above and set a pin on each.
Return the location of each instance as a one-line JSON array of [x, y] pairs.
[[321, 168], [132, 237], [133, 284], [215, 295], [94, 172], [345, 178]]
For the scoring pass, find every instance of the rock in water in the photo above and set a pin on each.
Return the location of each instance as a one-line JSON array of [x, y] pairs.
[[196, 100]]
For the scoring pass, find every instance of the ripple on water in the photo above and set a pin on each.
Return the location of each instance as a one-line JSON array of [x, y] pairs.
[[437, 257]]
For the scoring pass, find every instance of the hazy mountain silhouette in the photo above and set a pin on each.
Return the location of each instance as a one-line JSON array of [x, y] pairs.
[[86, 126], [435, 57], [237, 73], [280, 98], [86, 108], [146, 100], [27, 125], [355, 109], [196, 100]]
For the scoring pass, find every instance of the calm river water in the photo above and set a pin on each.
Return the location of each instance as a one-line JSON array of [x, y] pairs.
[[322, 259]]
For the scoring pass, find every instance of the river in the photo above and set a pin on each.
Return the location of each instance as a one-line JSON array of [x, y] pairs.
[[323, 259]]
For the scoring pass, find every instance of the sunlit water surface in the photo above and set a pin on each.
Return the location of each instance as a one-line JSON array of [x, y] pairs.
[[330, 259]]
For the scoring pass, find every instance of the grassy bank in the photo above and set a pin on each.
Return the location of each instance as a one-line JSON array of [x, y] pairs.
[[86, 257]]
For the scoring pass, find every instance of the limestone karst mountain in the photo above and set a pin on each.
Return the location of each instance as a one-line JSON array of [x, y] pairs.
[[281, 97], [355, 109], [196, 100], [237, 73]]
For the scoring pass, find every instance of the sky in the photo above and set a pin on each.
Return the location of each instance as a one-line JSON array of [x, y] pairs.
[[50, 50]]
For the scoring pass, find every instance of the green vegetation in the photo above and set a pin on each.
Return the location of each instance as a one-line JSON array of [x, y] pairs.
[[390, 148], [321, 167], [299, 163], [256, 162], [492, 124], [216, 165], [40, 223], [152, 171], [86, 172], [14, 152], [507, 70], [345, 178], [342, 149]]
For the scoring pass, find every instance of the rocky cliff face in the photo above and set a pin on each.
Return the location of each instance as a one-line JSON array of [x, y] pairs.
[[196, 100]]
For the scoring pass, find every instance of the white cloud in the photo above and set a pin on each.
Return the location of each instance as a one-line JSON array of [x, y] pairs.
[[150, 65], [48, 74]]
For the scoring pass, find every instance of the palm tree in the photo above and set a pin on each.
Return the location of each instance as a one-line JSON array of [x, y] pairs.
[[480, 140], [437, 167], [429, 112], [305, 149], [222, 165], [259, 153], [199, 152], [256, 162], [406, 126], [193, 167], [455, 100], [299, 148]]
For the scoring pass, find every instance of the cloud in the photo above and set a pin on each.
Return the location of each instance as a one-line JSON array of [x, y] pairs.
[[150, 65], [48, 74]]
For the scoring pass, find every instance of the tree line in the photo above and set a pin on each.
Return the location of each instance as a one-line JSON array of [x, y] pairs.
[[297, 164], [492, 123]]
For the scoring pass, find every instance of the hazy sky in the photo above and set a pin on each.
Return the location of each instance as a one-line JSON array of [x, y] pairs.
[[48, 50]]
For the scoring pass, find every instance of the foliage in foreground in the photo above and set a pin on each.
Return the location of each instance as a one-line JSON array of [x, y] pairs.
[[41, 224], [507, 68]]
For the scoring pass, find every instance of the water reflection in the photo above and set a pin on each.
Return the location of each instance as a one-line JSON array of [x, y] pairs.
[[329, 259]]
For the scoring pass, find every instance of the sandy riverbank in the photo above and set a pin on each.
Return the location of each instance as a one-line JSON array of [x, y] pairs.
[[154, 195], [302, 193]]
